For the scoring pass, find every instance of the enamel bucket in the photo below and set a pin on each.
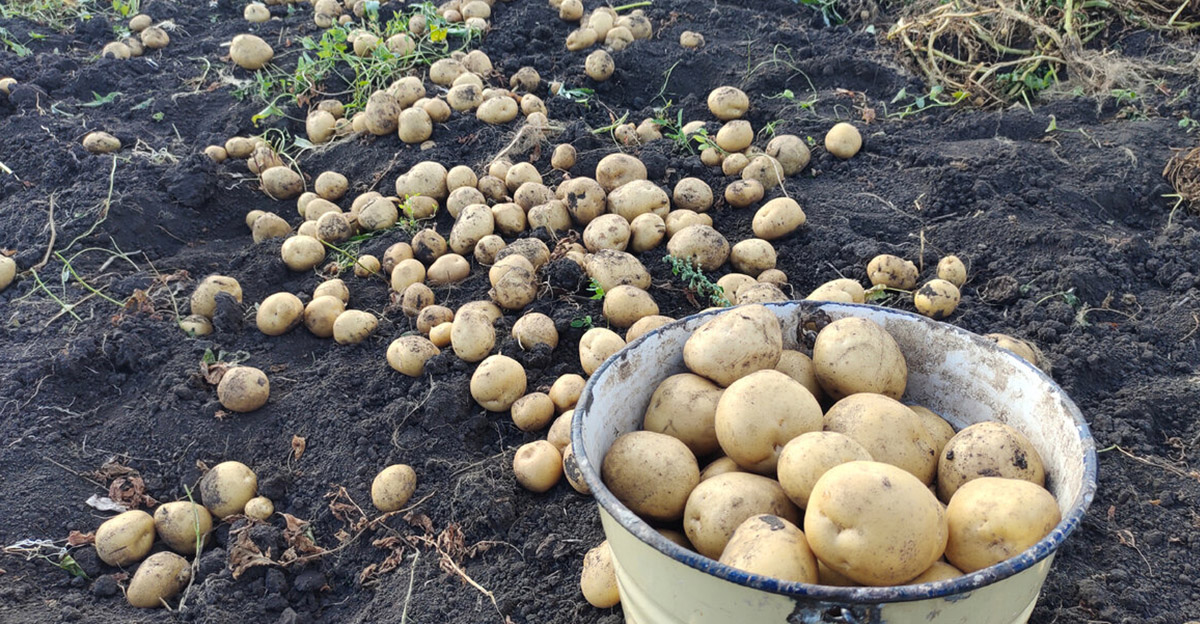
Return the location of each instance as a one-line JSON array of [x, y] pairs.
[[961, 376]]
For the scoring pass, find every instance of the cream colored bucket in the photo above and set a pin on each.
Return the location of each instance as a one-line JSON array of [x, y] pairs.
[[961, 376]]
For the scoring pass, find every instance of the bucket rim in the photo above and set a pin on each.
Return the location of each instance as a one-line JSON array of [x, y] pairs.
[[1044, 548]]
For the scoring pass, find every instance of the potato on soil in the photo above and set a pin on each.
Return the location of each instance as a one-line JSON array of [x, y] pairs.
[[514, 288], [611, 268], [473, 223], [432, 316], [154, 38], [702, 244], [692, 194], [416, 297], [857, 355], [533, 412], [843, 140], [366, 266], [770, 546], [891, 433], [563, 157], [408, 354], [598, 581], [440, 335], [280, 182], [1021, 348], [765, 170], [937, 299], [116, 50], [752, 256], [808, 456], [243, 389], [560, 430], [734, 163], [140, 22], [988, 449], [842, 290], [759, 413], [625, 305], [279, 314], [618, 169], [651, 473], [195, 325], [354, 326], [227, 487], [646, 232], [334, 287], [952, 269], [735, 344], [382, 113], [565, 391], [269, 225], [728, 103], [791, 151], [204, 298], [992, 519], [743, 193], [160, 577], [472, 335], [851, 523], [646, 325], [718, 505], [690, 39], [393, 487], [497, 110], [597, 345], [761, 292], [638, 197], [892, 272], [101, 142], [584, 198], [778, 218], [684, 406], [534, 329], [537, 466], [599, 66], [250, 52], [735, 135], [125, 538], [448, 269], [414, 125], [498, 382], [321, 313], [259, 508]]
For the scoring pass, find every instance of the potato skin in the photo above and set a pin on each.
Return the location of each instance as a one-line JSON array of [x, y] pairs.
[[243, 389], [498, 382], [651, 473], [892, 272], [597, 345], [684, 406], [227, 487], [778, 218], [759, 413], [718, 505], [992, 519], [393, 487], [735, 344], [937, 299], [598, 581], [178, 522], [857, 355], [987, 449], [888, 430], [408, 354], [160, 577], [279, 313], [538, 465], [771, 546], [126, 538]]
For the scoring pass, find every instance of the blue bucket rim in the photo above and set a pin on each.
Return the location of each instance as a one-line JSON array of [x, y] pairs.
[[828, 593]]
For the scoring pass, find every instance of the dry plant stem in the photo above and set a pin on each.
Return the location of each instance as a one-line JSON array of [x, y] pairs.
[[412, 574], [53, 236]]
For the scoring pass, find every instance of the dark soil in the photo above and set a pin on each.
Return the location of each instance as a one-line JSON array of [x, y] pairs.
[[1069, 240]]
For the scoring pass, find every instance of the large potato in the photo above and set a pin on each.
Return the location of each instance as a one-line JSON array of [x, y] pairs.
[[281, 182], [735, 344], [598, 581], [791, 151], [616, 170], [182, 526], [608, 231], [597, 345], [534, 329], [498, 383], [771, 546], [752, 256], [891, 433], [243, 389], [473, 223], [408, 354], [125, 538], [646, 232], [892, 272], [393, 487], [626, 305], [160, 577], [987, 449], [992, 519], [565, 391], [585, 199], [759, 413], [533, 411], [720, 504], [321, 313], [778, 218], [354, 326], [692, 194], [611, 268], [302, 253], [857, 355], [279, 313], [227, 487], [874, 523], [843, 140], [651, 473], [684, 406], [538, 465], [638, 197], [728, 103], [702, 244], [250, 52], [472, 335], [808, 456]]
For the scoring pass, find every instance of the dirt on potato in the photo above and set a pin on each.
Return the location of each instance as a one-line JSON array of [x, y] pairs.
[[1059, 209]]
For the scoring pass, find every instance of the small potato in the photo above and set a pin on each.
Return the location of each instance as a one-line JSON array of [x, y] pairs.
[[243, 389], [181, 525], [646, 325], [743, 193], [581, 39], [778, 218], [692, 194], [250, 52], [160, 577], [269, 225], [765, 170], [684, 406], [259, 508], [732, 283], [735, 344], [334, 227], [702, 244], [315, 207], [535, 329], [408, 354], [526, 79], [531, 194], [239, 147], [477, 62], [416, 298], [1021, 348], [597, 345], [498, 110], [444, 71], [279, 313], [570, 10], [857, 355], [773, 547], [282, 183], [440, 335], [537, 466], [679, 219], [728, 103], [988, 449], [691, 40], [116, 50], [616, 170], [773, 276], [195, 325], [227, 487], [940, 430], [140, 22], [533, 412], [843, 290], [354, 326], [635, 455], [734, 163], [154, 38], [428, 245], [393, 487], [752, 256], [565, 391], [992, 519], [891, 433], [560, 431], [646, 232], [951, 269], [101, 142], [256, 12], [321, 313], [216, 153], [618, 38], [599, 66], [937, 299], [735, 135], [498, 382], [432, 316], [759, 413], [563, 157], [808, 456], [472, 335], [791, 151], [892, 272], [843, 140], [204, 298], [125, 538], [718, 505], [598, 581], [865, 500], [334, 287]]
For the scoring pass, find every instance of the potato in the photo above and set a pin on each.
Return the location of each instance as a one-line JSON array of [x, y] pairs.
[[799, 366], [937, 299], [646, 325], [891, 433], [560, 431], [250, 52], [354, 326], [465, 97], [646, 232], [565, 391], [533, 411], [154, 38], [116, 50], [514, 288], [462, 197], [537, 466], [602, 20], [844, 290], [262, 158], [992, 519], [432, 316], [761, 293], [214, 152], [526, 79], [321, 313], [791, 152], [865, 499], [702, 244], [719, 466], [765, 170], [407, 91], [728, 103], [160, 577], [988, 449], [611, 268], [204, 298], [282, 183], [535, 329], [382, 113], [408, 354], [735, 135], [101, 142], [773, 547], [393, 487], [473, 223], [428, 245], [692, 194], [472, 335], [940, 430], [227, 487], [808, 456], [638, 197], [379, 213], [584, 198], [365, 43], [333, 107], [618, 38], [314, 208], [239, 147], [489, 309], [636, 455], [498, 382], [599, 66], [415, 298], [598, 581], [563, 157], [684, 406], [734, 163], [616, 170], [256, 12], [752, 256], [597, 345], [733, 282], [743, 193], [195, 325], [735, 344], [581, 39], [126, 538], [498, 110], [778, 218], [857, 355], [140, 22], [843, 140], [444, 71], [243, 389], [759, 413], [570, 11], [414, 125], [952, 269], [334, 227], [279, 313], [1021, 348], [531, 194], [691, 40], [718, 505], [269, 225], [334, 287], [439, 335], [892, 272], [181, 525], [625, 305], [319, 126]]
